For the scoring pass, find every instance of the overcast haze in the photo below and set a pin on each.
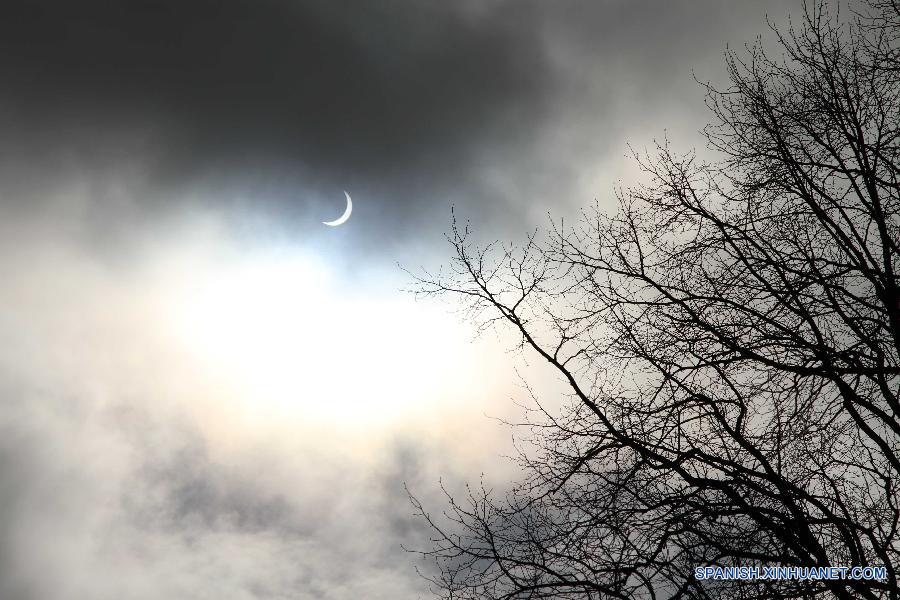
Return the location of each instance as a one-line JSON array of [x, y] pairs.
[[205, 392]]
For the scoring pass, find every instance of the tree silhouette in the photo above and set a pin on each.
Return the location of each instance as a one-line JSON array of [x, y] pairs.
[[729, 338]]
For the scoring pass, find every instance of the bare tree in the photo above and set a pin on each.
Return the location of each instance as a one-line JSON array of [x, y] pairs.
[[729, 338]]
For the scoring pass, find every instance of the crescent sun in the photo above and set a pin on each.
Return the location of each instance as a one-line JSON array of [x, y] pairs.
[[343, 218]]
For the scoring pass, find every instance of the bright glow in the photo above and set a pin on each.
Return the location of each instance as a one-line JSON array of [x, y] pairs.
[[292, 342]]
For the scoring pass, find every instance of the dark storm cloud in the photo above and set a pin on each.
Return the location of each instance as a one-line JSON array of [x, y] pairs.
[[362, 92], [410, 104]]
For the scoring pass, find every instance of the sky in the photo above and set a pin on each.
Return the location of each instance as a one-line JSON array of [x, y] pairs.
[[204, 391]]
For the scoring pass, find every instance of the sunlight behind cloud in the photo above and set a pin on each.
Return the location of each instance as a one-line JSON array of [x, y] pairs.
[[282, 331]]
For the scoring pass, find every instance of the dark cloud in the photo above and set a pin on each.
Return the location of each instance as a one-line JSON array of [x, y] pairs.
[[276, 106], [258, 92], [325, 82]]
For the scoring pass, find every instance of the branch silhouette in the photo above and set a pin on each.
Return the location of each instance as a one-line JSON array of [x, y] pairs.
[[730, 340]]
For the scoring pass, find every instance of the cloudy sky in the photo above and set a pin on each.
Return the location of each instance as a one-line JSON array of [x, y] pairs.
[[205, 392]]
